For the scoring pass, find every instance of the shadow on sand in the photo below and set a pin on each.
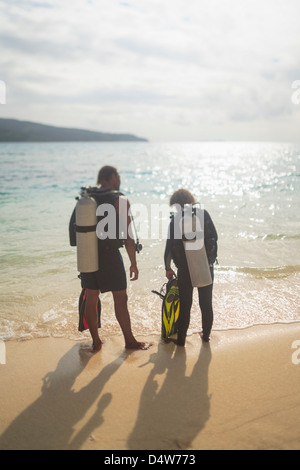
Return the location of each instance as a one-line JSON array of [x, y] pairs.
[[172, 415], [174, 404], [48, 423]]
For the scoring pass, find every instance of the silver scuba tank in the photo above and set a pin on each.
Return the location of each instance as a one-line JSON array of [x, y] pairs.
[[194, 248], [86, 237]]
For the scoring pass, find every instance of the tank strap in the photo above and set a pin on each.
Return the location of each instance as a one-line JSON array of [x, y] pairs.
[[87, 229]]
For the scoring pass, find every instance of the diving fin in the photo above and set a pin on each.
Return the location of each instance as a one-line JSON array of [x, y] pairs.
[[82, 326], [170, 308]]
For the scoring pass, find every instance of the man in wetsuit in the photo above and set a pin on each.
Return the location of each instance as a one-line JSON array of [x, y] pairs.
[[111, 276]]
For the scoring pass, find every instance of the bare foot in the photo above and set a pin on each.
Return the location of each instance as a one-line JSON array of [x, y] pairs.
[[139, 346], [97, 347]]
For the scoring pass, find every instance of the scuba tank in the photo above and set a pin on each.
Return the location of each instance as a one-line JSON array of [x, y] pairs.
[[194, 247], [86, 237]]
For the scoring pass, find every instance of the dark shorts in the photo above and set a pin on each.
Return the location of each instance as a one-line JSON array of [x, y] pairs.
[[111, 277]]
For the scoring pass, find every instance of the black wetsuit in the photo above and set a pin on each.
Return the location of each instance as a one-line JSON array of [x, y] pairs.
[[175, 250]]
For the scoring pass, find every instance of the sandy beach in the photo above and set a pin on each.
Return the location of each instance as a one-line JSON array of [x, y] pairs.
[[239, 392]]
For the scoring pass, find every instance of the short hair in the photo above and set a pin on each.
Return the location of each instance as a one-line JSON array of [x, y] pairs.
[[182, 197], [105, 173]]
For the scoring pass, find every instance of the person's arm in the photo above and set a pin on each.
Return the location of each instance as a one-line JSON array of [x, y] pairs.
[[168, 255], [210, 238], [168, 258], [129, 239], [130, 248]]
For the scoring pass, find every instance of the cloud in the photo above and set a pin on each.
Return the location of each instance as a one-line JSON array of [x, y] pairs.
[[157, 65]]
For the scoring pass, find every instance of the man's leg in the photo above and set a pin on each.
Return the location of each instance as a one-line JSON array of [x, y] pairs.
[[91, 317], [122, 315], [205, 303], [186, 300]]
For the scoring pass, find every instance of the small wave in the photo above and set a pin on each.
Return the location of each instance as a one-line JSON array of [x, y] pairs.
[[253, 325], [270, 272], [36, 258], [269, 236], [280, 236]]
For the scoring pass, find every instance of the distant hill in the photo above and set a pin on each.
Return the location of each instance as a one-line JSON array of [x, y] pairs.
[[12, 130]]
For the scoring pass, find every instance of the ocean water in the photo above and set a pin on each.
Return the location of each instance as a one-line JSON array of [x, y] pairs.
[[251, 190]]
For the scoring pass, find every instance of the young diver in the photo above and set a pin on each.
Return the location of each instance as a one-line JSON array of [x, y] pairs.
[[175, 251], [111, 275]]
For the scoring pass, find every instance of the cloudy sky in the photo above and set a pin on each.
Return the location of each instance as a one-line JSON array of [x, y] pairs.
[[167, 70]]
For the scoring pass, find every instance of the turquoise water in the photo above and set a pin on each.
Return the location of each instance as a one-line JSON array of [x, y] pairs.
[[251, 190]]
